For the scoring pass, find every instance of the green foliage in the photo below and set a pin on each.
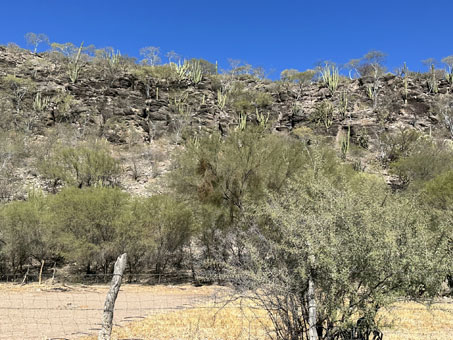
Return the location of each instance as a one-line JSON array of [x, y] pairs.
[[111, 62], [246, 101], [323, 114], [40, 103], [449, 74], [439, 191], [74, 57], [75, 66], [360, 245], [398, 144], [221, 99], [207, 68], [296, 76], [344, 143], [425, 160], [155, 231], [23, 233], [89, 164], [227, 171], [433, 86], [17, 88], [85, 225], [62, 103]]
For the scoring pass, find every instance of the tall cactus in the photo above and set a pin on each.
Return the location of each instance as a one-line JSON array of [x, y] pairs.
[[75, 66]]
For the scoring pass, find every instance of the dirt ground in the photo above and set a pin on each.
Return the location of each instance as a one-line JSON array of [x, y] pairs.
[[68, 312]]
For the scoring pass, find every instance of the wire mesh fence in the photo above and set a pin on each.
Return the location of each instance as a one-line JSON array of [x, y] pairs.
[[169, 307], [71, 310]]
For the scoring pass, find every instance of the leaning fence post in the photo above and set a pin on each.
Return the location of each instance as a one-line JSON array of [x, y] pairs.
[[109, 305]]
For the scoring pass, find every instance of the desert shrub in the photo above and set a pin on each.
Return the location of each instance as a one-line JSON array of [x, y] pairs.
[[244, 100], [329, 249], [439, 191], [85, 224], [24, 233], [159, 228], [88, 164], [425, 160], [323, 114], [396, 145], [207, 68]]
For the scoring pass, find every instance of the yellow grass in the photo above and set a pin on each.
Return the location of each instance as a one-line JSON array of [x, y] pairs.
[[403, 320], [232, 322], [415, 321]]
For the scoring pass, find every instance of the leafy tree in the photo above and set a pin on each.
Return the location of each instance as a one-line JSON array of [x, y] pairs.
[[24, 232], [165, 226], [352, 66], [219, 175], [35, 40], [449, 62], [85, 223], [332, 247]]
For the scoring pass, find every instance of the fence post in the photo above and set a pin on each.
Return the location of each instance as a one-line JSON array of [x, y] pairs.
[[109, 305]]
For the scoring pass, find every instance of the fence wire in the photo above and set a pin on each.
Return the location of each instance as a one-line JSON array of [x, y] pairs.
[[70, 311], [51, 311]]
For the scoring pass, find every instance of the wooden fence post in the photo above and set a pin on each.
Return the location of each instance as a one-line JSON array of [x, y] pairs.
[[109, 305]]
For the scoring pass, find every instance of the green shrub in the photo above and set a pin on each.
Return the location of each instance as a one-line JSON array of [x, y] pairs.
[[85, 223], [24, 233], [88, 164]]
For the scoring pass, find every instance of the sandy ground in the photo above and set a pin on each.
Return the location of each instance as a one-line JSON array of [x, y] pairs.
[[69, 312]]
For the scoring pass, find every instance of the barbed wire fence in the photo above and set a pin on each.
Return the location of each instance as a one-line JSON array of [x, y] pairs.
[[63, 307]]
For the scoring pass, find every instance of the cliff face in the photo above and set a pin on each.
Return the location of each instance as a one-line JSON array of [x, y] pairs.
[[152, 110]]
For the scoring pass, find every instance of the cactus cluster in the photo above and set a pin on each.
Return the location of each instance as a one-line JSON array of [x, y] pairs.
[[221, 99], [242, 124], [262, 118], [40, 103], [192, 71], [330, 77]]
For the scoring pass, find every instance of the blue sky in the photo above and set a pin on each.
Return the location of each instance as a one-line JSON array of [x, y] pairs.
[[272, 34]]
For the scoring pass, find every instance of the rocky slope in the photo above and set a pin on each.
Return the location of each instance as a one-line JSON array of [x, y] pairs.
[[146, 116]]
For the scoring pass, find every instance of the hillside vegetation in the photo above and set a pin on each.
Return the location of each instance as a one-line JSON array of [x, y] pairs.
[[325, 196]]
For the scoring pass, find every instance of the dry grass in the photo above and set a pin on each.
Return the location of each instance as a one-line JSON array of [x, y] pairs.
[[231, 322], [403, 320], [416, 321], [236, 321]]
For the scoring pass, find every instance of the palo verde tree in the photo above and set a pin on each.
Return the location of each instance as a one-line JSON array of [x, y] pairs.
[[218, 175]]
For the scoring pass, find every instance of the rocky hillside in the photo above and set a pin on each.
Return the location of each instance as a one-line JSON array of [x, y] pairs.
[[146, 113]]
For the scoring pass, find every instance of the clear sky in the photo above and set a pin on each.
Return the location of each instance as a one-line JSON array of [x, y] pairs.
[[272, 34]]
